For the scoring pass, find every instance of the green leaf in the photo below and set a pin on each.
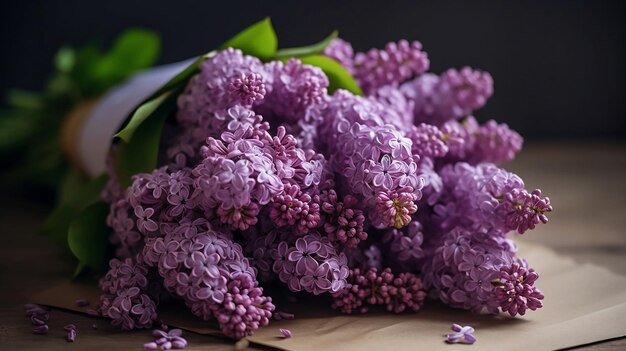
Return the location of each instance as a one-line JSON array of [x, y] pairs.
[[312, 49], [134, 50], [76, 194], [139, 147], [338, 76], [64, 59], [257, 40], [140, 115], [88, 236]]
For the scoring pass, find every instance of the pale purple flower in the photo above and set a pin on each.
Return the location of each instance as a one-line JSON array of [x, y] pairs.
[[247, 89], [71, 335], [317, 280], [166, 340], [144, 221], [393, 65], [302, 255], [461, 334], [42, 329], [515, 290], [285, 332]]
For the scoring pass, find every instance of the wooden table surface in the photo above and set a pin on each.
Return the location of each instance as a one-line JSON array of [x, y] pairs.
[[585, 181]]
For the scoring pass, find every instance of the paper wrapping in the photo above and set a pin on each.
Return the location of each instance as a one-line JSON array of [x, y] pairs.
[[583, 304]]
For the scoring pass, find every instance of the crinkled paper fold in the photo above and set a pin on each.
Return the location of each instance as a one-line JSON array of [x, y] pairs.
[[583, 304]]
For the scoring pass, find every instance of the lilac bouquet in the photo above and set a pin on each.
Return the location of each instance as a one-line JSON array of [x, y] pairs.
[[359, 176]]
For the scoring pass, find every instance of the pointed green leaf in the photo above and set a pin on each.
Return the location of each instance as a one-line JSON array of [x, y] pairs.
[[88, 236], [140, 115], [76, 194], [312, 49], [134, 50], [257, 40], [338, 76]]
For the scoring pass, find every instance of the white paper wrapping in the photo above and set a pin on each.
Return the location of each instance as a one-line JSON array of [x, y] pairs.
[[109, 114]]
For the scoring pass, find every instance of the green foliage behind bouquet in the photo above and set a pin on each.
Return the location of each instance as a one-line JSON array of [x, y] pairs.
[[30, 152]]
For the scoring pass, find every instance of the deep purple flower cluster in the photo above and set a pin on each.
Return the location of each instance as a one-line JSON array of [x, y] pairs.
[[369, 288], [375, 200]]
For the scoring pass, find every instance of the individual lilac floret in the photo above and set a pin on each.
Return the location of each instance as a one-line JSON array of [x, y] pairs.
[[343, 219], [41, 329], [285, 332], [454, 94], [393, 65], [461, 334], [342, 52], [247, 89], [166, 340], [71, 332], [515, 290], [398, 293]]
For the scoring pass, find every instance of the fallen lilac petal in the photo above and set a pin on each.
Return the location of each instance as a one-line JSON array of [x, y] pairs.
[[175, 332], [150, 346], [94, 326], [159, 333], [179, 344], [42, 329], [71, 335], [286, 333], [166, 346], [161, 341], [470, 338], [37, 320], [462, 334], [69, 327], [164, 326], [92, 312], [82, 302]]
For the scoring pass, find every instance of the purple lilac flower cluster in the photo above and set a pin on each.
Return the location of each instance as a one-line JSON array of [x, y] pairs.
[[375, 200]]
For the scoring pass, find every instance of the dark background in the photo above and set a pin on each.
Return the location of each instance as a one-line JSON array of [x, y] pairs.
[[558, 65]]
